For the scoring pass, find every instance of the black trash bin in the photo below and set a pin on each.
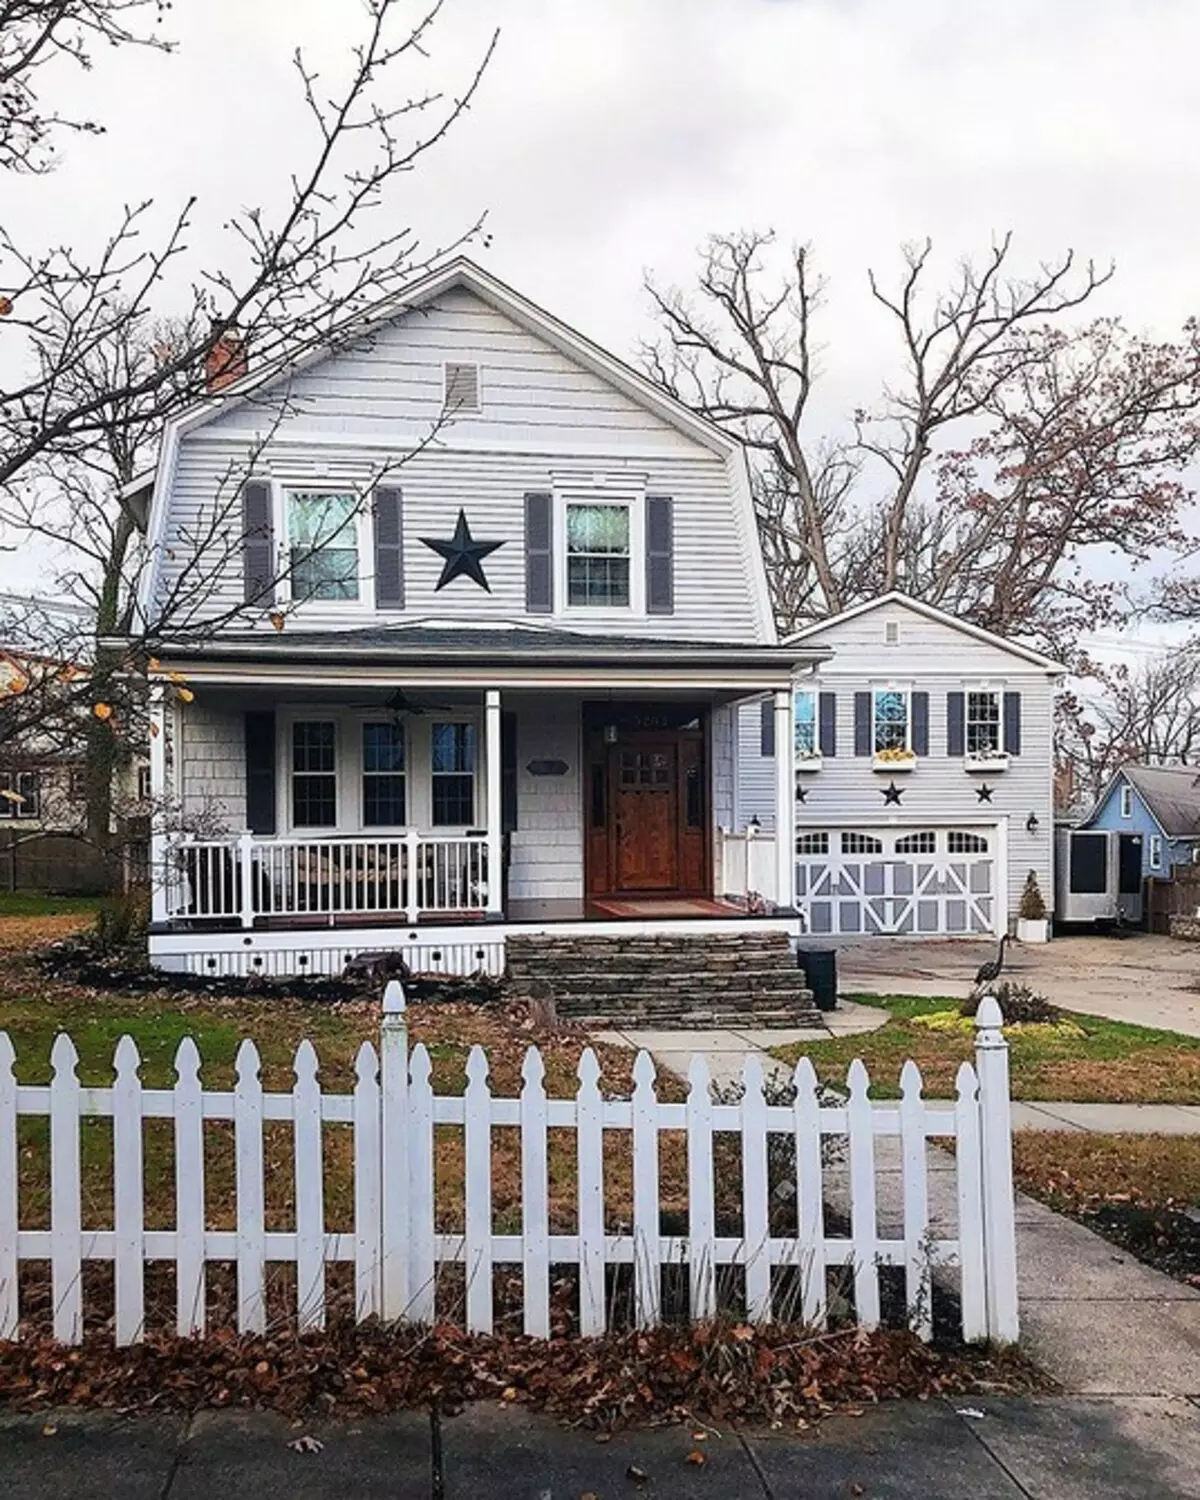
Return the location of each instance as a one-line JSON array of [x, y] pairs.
[[820, 967]]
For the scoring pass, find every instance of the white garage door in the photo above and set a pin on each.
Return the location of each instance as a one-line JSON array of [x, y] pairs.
[[880, 881]]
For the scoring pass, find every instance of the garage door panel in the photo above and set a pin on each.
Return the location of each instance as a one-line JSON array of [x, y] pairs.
[[919, 884]]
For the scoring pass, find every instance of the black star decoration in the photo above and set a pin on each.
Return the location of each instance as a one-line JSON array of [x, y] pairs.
[[463, 554], [892, 794], [984, 792], [801, 794]]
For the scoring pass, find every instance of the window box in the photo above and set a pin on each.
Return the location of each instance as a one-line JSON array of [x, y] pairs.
[[809, 762], [893, 760], [986, 760]]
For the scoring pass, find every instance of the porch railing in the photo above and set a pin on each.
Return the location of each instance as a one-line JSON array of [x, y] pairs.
[[247, 878]]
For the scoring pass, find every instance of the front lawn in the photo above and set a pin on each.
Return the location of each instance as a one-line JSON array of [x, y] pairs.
[[1110, 1063], [1140, 1191]]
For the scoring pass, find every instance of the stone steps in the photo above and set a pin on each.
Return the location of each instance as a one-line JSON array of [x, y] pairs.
[[663, 983]]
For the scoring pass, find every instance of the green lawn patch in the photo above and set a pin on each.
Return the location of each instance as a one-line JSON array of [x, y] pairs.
[[38, 904], [1110, 1063]]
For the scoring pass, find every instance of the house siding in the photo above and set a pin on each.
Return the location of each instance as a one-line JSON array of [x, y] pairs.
[[547, 847], [1142, 821], [546, 424], [212, 767], [935, 658]]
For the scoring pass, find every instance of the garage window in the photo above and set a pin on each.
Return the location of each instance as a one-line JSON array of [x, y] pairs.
[[812, 843], [891, 720], [861, 843], [917, 843], [965, 843]]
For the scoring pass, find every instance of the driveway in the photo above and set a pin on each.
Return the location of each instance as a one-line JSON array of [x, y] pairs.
[[1147, 980]]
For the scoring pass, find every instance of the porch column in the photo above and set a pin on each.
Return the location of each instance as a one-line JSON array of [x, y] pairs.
[[785, 801], [158, 805], [495, 833]]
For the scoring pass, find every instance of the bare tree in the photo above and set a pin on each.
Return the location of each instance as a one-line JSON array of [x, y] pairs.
[[1013, 444], [1149, 714]]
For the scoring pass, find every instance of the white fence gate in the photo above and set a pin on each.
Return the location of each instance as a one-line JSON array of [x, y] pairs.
[[396, 1248]]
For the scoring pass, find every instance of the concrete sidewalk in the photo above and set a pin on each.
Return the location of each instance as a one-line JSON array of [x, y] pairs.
[[1042, 1449]]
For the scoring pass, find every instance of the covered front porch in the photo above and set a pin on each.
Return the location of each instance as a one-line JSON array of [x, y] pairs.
[[325, 811]]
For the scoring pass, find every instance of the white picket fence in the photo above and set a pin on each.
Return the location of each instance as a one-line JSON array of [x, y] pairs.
[[398, 1252]]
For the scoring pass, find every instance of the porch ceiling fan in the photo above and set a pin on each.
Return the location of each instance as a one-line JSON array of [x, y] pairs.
[[400, 705]]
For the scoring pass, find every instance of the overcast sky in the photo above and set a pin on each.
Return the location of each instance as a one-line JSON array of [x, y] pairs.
[[610, 136]]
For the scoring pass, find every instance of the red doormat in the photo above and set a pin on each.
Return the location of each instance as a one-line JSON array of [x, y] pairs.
[[678, 906]]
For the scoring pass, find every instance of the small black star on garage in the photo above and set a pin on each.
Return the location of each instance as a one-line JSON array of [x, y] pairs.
[[892, 794], [463, 555], [984, 792]]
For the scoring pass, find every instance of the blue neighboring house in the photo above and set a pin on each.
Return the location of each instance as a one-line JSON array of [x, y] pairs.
[[1162, 803]]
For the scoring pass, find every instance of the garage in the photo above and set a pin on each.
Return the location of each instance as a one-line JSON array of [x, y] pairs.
[[936, 881]]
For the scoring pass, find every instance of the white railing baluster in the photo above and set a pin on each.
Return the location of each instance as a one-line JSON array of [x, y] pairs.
[[864, 1220], [367, 1191], [918, 1269], [589, 1140], [189, 1192], [128, 1196], [478, 1191], [701, 1217], [309, 1167], [647, 1237], [810, 1197], [756, 1230], [66, 1213], [535, 1208], [249, 1188], [422, 1223], [9, 1305]]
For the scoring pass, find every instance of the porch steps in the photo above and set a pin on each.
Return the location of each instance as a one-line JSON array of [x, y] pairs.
[[663, 983]]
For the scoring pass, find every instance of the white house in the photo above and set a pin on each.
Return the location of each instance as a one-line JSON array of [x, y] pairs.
[[924, 773], [478, 602]]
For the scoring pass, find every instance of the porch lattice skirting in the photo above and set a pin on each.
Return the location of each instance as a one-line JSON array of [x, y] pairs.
[[395, 1244]]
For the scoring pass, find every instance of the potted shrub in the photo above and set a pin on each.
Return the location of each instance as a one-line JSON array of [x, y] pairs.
[[1033, 926]]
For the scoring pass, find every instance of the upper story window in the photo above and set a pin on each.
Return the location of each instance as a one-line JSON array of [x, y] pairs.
[[384, 781], [452, 775], [806, 724], [983, 723], [598, 556], [1127, 802], [20, 794], [314, 773], [891, 720], [322, 527]]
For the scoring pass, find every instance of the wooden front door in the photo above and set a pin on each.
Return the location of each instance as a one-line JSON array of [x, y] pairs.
[[648, 817]]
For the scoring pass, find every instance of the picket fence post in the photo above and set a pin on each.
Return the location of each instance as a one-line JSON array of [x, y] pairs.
[[9, 1313], [995, 1131], [393, 1064]]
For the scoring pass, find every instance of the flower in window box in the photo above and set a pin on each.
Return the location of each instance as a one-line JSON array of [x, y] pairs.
[[895, 756]]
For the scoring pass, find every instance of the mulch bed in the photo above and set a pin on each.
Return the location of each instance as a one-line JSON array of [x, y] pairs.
[[1165, 1238]]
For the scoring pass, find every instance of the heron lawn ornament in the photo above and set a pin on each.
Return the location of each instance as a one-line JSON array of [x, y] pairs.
[[989, 972]]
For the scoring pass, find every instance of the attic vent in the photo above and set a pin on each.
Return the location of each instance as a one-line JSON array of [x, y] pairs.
[[891, 633], [462, 387]]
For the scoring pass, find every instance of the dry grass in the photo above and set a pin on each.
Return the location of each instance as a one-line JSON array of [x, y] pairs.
[[1076, 1171]]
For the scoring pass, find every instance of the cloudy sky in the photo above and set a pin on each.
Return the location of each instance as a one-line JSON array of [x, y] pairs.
[[610, 136]]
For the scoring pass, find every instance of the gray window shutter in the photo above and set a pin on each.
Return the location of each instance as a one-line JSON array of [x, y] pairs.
[[827, 723], [766, 727], [1012, 723], [956, 724], [539, 554], [660, 555], [260, 770], [920, 723], [862, 723], [389, 548], [258, 543]]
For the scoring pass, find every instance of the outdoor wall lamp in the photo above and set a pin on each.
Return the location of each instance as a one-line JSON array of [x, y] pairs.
[[1031, 823]]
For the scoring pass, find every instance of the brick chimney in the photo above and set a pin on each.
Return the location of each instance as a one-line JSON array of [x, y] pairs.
[[226, 361]]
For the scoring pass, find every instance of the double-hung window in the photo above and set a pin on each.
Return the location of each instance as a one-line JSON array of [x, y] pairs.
[[20, 794], [983, 723], [806, 724], [452, 775], [891, 728], [598, 556], [1156, 851], [384, 787], [314, 773], [322, 528]]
